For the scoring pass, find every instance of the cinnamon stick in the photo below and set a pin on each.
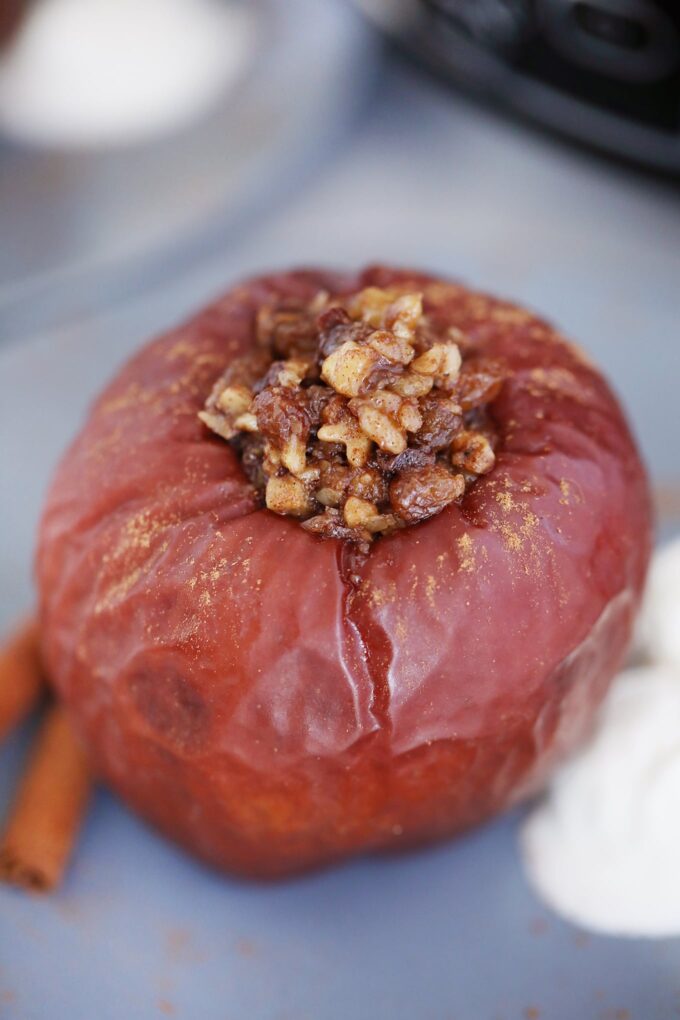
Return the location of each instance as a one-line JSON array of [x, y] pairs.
[[21, 675], [49, 806]]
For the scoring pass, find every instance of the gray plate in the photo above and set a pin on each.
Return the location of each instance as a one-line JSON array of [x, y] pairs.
[[141, 931], [451, 933]]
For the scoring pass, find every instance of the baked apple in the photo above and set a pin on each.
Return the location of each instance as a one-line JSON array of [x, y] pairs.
[[345, 563]]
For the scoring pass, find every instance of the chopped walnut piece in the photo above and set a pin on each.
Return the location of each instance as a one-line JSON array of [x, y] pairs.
[[225, 409], [310, 476], [409, 415], [361, 513], [246, 422], [379, 427], [328, 497], [340, 426], [349, 367], [284, 373], [358, 416], [218, 424], [441, 361], [288, 495], [410, 384], [294, 455], [403, 316], [234, 399], [357, 445], [386, 418], [357, 511], [473, 452], [391, 347], [271, 459], [387, 308], [370, 305]]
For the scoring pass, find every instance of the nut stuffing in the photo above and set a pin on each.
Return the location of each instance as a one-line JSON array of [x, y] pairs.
[[354, 416]]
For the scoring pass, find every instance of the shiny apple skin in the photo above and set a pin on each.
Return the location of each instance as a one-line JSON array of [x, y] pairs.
[[274, 703]]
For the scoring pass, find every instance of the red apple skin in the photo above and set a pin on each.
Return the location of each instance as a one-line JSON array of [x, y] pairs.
[[273, 703]]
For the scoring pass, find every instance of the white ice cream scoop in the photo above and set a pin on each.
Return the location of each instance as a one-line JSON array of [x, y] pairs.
[[603, 846], [659, 623]]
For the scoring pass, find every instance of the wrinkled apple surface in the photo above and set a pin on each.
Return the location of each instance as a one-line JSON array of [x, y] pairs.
[[275, 701]]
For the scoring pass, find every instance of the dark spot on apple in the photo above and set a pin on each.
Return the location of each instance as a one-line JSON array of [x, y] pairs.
[[170, 705]]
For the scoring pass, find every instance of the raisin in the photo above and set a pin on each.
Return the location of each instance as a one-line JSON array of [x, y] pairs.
[[270, 378], [382, 375], [334, 410], [419, 493], [281, 413], [441, 422], [250, 447], [320, 452], [369, 484], [335, 476], [330, 524], [289, 332], [316, 398], [336, 328], [410, 458], [479, 382], [246, 371]]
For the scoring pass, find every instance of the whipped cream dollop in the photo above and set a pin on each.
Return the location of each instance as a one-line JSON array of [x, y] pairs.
[[658, 636], [603, 846]]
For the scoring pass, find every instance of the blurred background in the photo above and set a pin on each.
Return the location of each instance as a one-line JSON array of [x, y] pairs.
[[154, 151]]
